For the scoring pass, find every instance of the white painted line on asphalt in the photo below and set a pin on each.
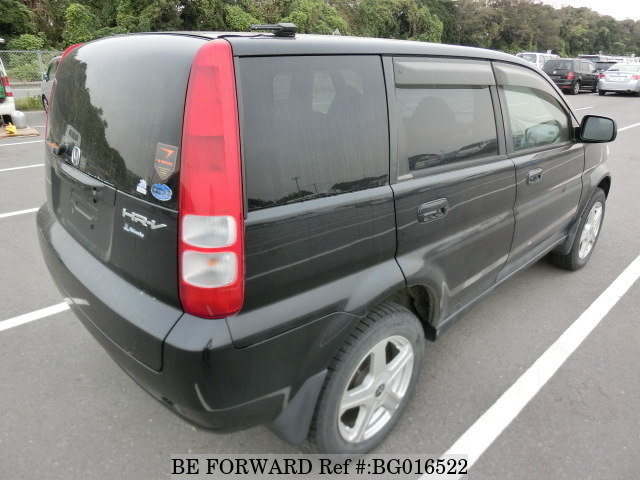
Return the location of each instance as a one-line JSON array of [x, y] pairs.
[[583, 108], [628, 127], [20, 168], [18, 212], [31, 316], [492, 423], [20, 143]]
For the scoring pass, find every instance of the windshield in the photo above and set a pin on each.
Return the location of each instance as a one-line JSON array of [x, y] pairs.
[[529, 57], [624, 67]]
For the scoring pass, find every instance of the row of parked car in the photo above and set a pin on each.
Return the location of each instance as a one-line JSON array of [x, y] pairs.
[[575, 74]]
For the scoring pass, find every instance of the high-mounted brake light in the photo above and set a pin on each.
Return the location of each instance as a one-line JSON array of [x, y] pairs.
[[211, 217]]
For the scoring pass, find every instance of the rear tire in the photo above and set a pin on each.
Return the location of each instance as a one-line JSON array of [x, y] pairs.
[[575, 88], [589, 227], [369, 383], [45, 104], [602, 93], [595, 89]]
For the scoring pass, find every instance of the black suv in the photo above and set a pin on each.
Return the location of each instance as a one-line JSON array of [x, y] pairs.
[[262, 228], [572, 74]]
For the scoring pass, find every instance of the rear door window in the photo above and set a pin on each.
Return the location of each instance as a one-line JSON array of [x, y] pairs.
[[445, 124], [312, 127]]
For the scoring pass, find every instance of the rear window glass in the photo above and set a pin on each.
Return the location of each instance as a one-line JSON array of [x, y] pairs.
[[121, 101], [312, 127], [625, 67], [558, 65]]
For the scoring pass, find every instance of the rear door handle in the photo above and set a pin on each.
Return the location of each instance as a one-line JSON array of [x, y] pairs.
[[430, 211], [534, 175]]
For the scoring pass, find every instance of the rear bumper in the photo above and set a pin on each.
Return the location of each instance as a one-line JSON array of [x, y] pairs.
[[563, 83], [204, 378], [631, 86]]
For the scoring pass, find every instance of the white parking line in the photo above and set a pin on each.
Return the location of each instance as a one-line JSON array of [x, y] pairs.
[[20, 168], [18, 212], [31, 316], [628, 127], [20, 143], [492, 423], [583, 108]]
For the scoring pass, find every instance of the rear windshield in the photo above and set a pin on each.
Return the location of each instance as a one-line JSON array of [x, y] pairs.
[[121, 101], [558, 65], [624, 67]]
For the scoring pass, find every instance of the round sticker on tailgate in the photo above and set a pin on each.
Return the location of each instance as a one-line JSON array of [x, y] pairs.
[[161, 191]]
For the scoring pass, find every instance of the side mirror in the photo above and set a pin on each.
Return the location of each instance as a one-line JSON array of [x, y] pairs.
[[45, 77], [597, 129]]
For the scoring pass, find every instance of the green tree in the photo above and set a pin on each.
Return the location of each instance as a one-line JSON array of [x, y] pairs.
[[15, 19], [316, 16], [26, 41], [238, 19], [81, 24]]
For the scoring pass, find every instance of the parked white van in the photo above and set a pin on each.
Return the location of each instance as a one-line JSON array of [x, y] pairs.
[[538, 59]]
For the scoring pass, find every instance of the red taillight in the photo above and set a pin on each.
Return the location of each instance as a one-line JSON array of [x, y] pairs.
[[6, 85], [211, 220], [635, 77], [602, 75], [68, 50], [570, 76]]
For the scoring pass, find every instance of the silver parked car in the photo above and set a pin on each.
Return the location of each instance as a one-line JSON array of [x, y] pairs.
[[621, 77], [47, 82]]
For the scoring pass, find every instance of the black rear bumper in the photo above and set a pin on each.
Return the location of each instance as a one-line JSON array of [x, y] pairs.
[[203, 377]]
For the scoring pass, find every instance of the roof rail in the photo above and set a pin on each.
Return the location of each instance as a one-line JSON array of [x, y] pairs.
[[279, 30]]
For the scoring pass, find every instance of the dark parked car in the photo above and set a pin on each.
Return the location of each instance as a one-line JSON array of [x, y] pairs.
[[573, 74], [278, 254]]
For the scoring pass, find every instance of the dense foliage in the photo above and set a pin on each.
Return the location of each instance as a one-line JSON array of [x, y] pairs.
[[509, 25]]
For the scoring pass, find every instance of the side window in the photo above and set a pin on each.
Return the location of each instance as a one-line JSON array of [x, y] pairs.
[[312, 127], [444, 124], [536, 118]]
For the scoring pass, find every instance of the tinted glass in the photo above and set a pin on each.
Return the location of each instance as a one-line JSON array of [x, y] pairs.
[[536, 118], [122, 103], [445, 124], [312, 127], [558, 65]]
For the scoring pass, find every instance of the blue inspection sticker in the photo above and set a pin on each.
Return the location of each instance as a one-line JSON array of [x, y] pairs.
[[161, 192]]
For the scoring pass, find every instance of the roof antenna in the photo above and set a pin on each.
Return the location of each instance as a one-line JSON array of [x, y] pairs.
[[279, 30]]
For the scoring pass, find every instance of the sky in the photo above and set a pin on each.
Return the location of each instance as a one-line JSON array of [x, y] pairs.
[[618, 9]]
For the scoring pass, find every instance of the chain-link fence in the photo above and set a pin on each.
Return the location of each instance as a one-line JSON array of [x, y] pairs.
[[26, 66]]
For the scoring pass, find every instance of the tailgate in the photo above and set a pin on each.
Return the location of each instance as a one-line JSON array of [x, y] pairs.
[[113, 163]]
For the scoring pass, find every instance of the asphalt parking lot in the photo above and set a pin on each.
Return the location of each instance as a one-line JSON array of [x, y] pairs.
[[68, 412]]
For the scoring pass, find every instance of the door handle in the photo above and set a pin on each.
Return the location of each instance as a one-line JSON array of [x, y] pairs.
[[430, 211], [534, 175]]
